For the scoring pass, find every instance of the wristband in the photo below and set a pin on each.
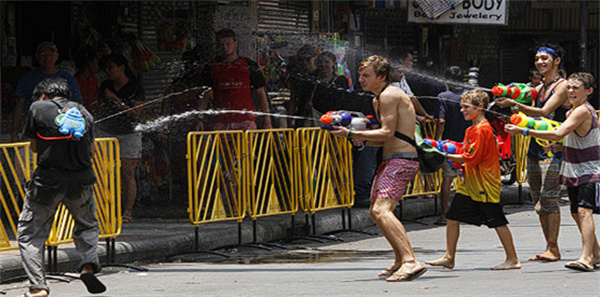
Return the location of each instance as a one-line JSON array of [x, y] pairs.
[[516, 106], [526, 132]]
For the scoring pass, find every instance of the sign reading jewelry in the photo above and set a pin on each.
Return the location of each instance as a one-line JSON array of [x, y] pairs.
[[481, 12]]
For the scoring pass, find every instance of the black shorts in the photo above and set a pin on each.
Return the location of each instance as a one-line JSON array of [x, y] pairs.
[[464, 209], [585, 195]]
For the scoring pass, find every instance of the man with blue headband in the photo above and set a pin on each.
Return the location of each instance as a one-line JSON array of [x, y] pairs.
[[543, 172]]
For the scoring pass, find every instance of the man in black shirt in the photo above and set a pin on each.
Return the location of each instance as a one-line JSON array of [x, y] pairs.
[[64, 174]]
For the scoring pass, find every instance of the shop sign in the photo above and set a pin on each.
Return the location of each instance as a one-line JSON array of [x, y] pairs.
[[480, 12]]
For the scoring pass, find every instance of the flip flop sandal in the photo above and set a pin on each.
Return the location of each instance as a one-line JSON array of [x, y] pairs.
[[579, 266], [92, 283], [387, 272]]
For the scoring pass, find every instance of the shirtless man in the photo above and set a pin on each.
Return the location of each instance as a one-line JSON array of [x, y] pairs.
[[552, 103], [400, 164]]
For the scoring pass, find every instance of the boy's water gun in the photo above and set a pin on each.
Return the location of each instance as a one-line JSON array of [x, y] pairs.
[[349, 119], [519, 92], [446, 146], [450, 147], [537, 123]]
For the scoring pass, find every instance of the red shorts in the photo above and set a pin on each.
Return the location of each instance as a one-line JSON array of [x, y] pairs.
[[392, 178]]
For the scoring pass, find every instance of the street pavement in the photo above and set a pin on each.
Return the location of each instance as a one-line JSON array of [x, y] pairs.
[[349, 268]]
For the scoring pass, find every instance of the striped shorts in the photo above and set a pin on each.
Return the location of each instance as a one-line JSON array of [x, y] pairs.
[[392, 178], [544, 185]]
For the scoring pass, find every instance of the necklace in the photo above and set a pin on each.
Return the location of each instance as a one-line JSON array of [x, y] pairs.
[[542, 94], [553, 81]]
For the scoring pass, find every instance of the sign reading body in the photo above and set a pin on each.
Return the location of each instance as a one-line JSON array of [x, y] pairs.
[[480, 12]]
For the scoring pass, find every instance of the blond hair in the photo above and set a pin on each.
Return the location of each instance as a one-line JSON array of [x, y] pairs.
[[379, 64], [475, 97], [585, 78]]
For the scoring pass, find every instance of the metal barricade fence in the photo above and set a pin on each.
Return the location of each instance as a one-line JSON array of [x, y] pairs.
[[106, 164], [16, 165], [325, 170], [424, 184], [107, 194], [273, 182], [217, 176]]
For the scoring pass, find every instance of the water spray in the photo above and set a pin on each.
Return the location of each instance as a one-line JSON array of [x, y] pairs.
[[159, 123], [206, 89]]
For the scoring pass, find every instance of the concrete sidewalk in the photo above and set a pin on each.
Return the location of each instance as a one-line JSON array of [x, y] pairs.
[[157, 239]]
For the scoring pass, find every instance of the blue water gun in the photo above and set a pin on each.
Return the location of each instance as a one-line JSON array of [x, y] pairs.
[[449, 147]]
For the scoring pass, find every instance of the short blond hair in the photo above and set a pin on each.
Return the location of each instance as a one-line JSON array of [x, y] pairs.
[[585, 78], [475, 97], [379, 64]]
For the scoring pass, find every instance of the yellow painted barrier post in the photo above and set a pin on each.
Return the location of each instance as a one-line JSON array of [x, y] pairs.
[[16, 165], [216, 176], [107, 192], [107, 195], [325, 170], [521, 149], [272, 178], [273, 182]]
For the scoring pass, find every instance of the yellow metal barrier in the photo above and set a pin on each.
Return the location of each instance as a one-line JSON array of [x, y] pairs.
[[16, 164], [325, 170], [107, 194], [272, 174], [428, 184], [217, 176], [107, 166], [521, 148], [20, 162], [429, 129]]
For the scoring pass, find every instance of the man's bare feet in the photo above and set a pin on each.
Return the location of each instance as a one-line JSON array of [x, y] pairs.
[[550, 255], [508, 265], [36, 293], [409, 270], [444, 262], [389, 271]]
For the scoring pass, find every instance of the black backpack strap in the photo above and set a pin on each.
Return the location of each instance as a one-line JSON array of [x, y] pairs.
[[58, 105], [405, 138]]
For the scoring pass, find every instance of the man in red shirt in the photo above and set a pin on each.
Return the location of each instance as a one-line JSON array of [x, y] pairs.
[[234, 81]]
